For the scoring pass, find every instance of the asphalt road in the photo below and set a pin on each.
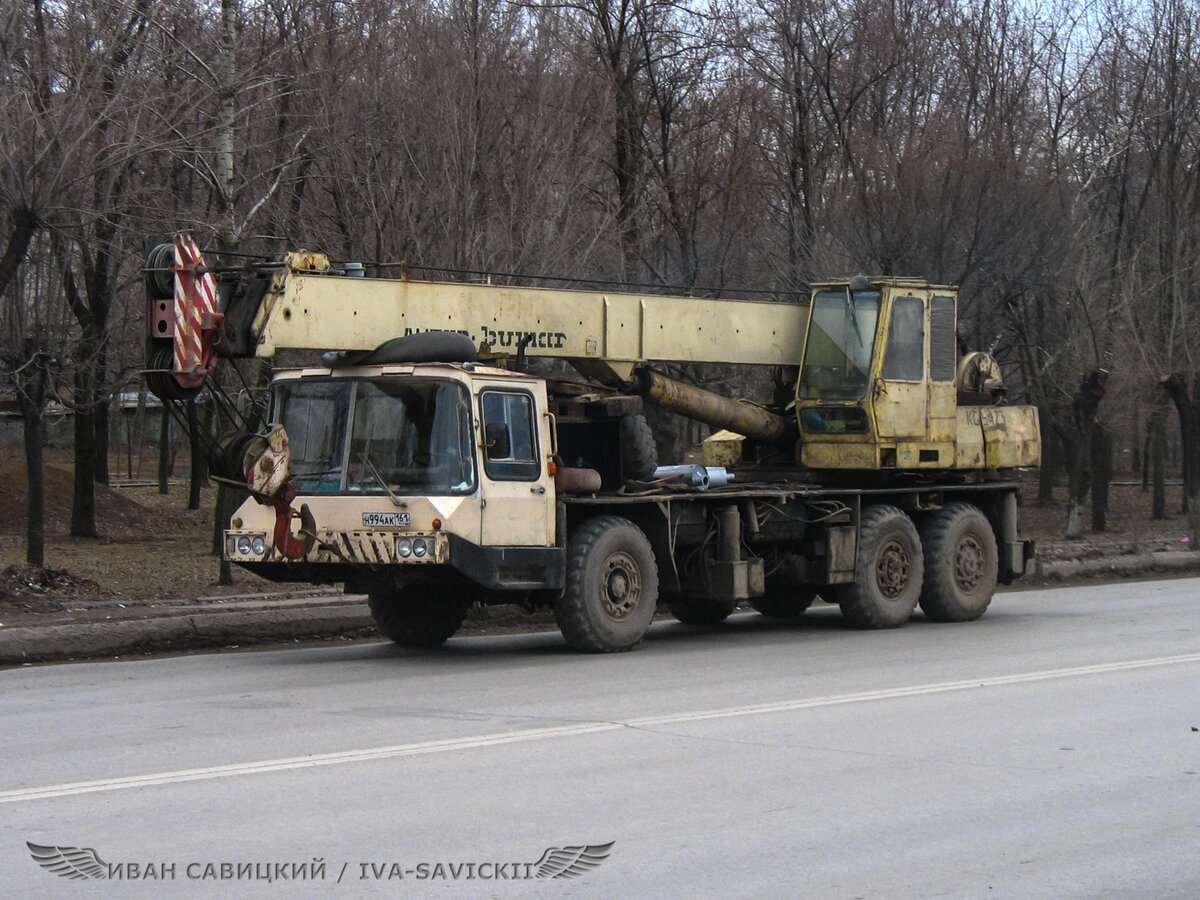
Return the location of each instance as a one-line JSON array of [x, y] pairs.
[[1049, 750]]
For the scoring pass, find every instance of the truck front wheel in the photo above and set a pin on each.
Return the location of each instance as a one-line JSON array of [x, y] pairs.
[[960, 564], [887, 573], [416, 615], [611, 586]]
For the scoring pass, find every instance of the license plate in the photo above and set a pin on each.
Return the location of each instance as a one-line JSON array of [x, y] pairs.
[[384, 520]]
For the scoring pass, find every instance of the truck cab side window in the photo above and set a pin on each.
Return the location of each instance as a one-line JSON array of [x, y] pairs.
[[510, 451], [905, 357]]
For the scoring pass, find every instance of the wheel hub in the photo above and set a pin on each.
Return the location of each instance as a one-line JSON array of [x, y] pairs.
[[968, 564], [892, 569], [621, 586]]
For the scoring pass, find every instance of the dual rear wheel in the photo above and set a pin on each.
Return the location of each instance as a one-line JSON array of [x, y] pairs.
[[948, 567]]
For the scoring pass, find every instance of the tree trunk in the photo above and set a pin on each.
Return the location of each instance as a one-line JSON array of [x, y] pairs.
[[1135, 461], [25, 226], [139, 432], [198, 475], [1158, 468], [32, 389], [35, 524], [102, 423], [83, 506], [1101, 475], [165, 456], [1087, 426], [1048, 470], [1078, 485], [1146, 441]]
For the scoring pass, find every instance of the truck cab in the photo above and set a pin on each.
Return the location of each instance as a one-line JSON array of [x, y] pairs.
[[411, 466]]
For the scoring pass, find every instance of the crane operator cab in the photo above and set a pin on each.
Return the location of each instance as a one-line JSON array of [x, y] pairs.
[[880, 383]]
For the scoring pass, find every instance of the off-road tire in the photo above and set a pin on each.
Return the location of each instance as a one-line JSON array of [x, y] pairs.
[[639, 452], [416, 615], [701, 611], [611, 587], [961, 562], [786, 597], [887, 573], [785, 603]]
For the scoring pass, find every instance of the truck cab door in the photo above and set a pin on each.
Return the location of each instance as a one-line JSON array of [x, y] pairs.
[[901, 390], [517, 488]]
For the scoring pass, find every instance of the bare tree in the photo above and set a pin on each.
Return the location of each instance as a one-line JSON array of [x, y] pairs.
[[35, 336]]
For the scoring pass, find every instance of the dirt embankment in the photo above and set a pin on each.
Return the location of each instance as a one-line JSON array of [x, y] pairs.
[[150, 545]]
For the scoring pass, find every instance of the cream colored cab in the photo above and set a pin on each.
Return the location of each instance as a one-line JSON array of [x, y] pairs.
[[516, 444], [392, 460]]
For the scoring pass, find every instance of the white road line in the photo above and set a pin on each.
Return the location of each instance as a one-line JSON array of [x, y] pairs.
[[539, 734]]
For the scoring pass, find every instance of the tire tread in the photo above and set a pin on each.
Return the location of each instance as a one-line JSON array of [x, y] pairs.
[[571, 609], [860, 601]]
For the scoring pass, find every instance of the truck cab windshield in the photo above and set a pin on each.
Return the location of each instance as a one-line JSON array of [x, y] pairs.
[[384, 435], [837, 356]]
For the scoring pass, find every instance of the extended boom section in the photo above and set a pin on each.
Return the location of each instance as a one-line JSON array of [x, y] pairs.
[[307, 304]]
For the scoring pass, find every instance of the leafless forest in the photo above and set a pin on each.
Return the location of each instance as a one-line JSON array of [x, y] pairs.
[[1044, 155]]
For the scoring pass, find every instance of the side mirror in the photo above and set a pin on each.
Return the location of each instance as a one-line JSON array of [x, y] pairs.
[[497, 441]]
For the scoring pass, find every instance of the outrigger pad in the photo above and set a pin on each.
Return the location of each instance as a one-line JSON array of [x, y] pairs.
[[426, 346]]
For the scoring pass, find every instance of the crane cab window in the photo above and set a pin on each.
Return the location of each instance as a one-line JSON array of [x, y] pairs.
[[509, 436], [905, 356], [841, 337]]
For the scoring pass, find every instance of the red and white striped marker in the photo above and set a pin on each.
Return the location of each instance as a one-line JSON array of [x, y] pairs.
[[195, 314]]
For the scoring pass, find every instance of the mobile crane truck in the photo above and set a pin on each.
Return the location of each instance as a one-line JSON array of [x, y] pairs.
[[433, 471]]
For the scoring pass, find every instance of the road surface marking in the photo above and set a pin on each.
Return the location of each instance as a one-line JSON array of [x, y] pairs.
[[540, 734]]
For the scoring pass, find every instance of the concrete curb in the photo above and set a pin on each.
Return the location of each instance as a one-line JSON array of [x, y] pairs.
[[1161, 561], [48, 643]]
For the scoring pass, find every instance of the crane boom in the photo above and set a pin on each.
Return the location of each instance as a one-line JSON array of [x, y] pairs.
[[306, 304]]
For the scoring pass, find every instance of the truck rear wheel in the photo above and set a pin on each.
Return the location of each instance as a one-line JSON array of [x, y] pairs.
[[702, 612], [416, 615], [887, 573], [961, 561], [611, 587]]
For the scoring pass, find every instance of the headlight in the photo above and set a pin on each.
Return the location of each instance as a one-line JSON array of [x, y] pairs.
[[259, 545], [419, 548], [404, 548], [230, 546], [244, 545]]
